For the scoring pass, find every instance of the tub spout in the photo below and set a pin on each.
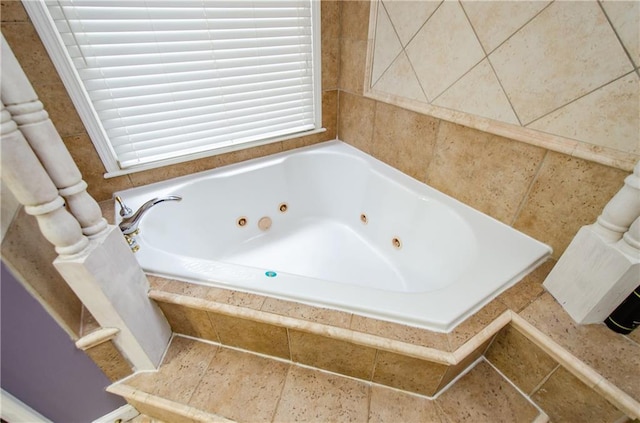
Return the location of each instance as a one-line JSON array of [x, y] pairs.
[[130, 221]]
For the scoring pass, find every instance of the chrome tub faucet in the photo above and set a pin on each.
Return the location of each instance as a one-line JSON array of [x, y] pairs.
[[131, 220]]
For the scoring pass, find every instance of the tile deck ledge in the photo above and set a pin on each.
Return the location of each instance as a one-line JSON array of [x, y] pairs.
[[496, 316]]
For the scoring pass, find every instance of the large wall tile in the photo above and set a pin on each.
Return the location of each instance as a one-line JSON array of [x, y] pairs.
[[548, 316], [519, 359], [567, 194], [408, 373], [355, 120], [613, 112], [110, 360], [547, 61], [330, 38], [400, 80], [240, 386], [457, 369], [250, 335], [565, 399], [565, 52], [352, 65], [332, 354], [483, 392], [312, 396], [625, 18], [355, 20], [444, 49], [390, 405], [479, 93], [409, 16], [495, 21], [386, 46], [404, 139], [183, 366], [490, 173], [189, 321]]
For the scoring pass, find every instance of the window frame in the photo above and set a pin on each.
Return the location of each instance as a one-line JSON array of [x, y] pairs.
[[43, 23]]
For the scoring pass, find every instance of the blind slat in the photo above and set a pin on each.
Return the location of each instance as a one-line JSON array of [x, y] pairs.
[[152, 132], [175, 77], [249, 135], [131, 124]]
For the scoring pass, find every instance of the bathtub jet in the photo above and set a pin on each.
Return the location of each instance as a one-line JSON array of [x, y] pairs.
[[330, 226]]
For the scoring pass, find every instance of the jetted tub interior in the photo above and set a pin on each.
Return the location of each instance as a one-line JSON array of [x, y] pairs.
[[331, 226]]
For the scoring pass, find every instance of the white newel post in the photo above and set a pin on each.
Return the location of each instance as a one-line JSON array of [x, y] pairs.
[[94, 259], [601, 266]]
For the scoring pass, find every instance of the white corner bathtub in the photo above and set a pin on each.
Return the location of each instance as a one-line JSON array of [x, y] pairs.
[[330, 226]]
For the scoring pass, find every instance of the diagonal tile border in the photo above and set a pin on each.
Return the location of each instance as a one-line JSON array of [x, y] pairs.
[[625, 18], [614, 113], [495, 21], [479, 93], [567, 51], [409, 16], [444, 49], [387, 45], [401, 80]]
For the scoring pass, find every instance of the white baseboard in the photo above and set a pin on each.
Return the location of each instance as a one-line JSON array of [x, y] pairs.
[[124, 414], [15, 411]]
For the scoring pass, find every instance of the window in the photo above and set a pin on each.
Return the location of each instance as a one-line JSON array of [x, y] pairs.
[[163, 81]]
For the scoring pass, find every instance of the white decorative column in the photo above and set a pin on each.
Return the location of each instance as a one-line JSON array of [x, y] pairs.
[[94, 259], [601, 266], [37, 193], [28, 112]]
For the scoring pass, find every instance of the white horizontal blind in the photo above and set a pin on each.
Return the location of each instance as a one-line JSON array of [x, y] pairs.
[[179, 77]]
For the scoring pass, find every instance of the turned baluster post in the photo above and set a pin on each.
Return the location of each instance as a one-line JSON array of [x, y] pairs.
[[24, 175], [21, 101], [630, 242], [621, 210]]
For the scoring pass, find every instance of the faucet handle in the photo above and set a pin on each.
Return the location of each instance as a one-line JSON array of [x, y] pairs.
[[124, 210]]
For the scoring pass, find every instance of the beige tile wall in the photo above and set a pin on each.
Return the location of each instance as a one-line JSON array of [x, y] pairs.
[[568, 71], [545, 194], [553, 388]]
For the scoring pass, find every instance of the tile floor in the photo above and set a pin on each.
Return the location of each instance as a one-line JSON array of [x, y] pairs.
[[246, 387]]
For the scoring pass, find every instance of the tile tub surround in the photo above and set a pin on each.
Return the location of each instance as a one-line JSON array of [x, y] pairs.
[[233, 385], [545, 194], [413, 359], [517, 69]]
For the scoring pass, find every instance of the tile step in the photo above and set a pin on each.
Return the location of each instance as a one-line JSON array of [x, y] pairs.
[[207, 382]]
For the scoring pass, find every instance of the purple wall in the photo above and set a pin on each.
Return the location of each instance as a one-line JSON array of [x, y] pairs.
[[41, 366]]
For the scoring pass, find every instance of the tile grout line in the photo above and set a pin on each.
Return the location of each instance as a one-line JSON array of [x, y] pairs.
[[624, 75], [380, 3], [455, 379], [487, 54], [527, 194], [197, 385], [275, 409], [545, 379], [578, 368], [520, 391], [615, 31]]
